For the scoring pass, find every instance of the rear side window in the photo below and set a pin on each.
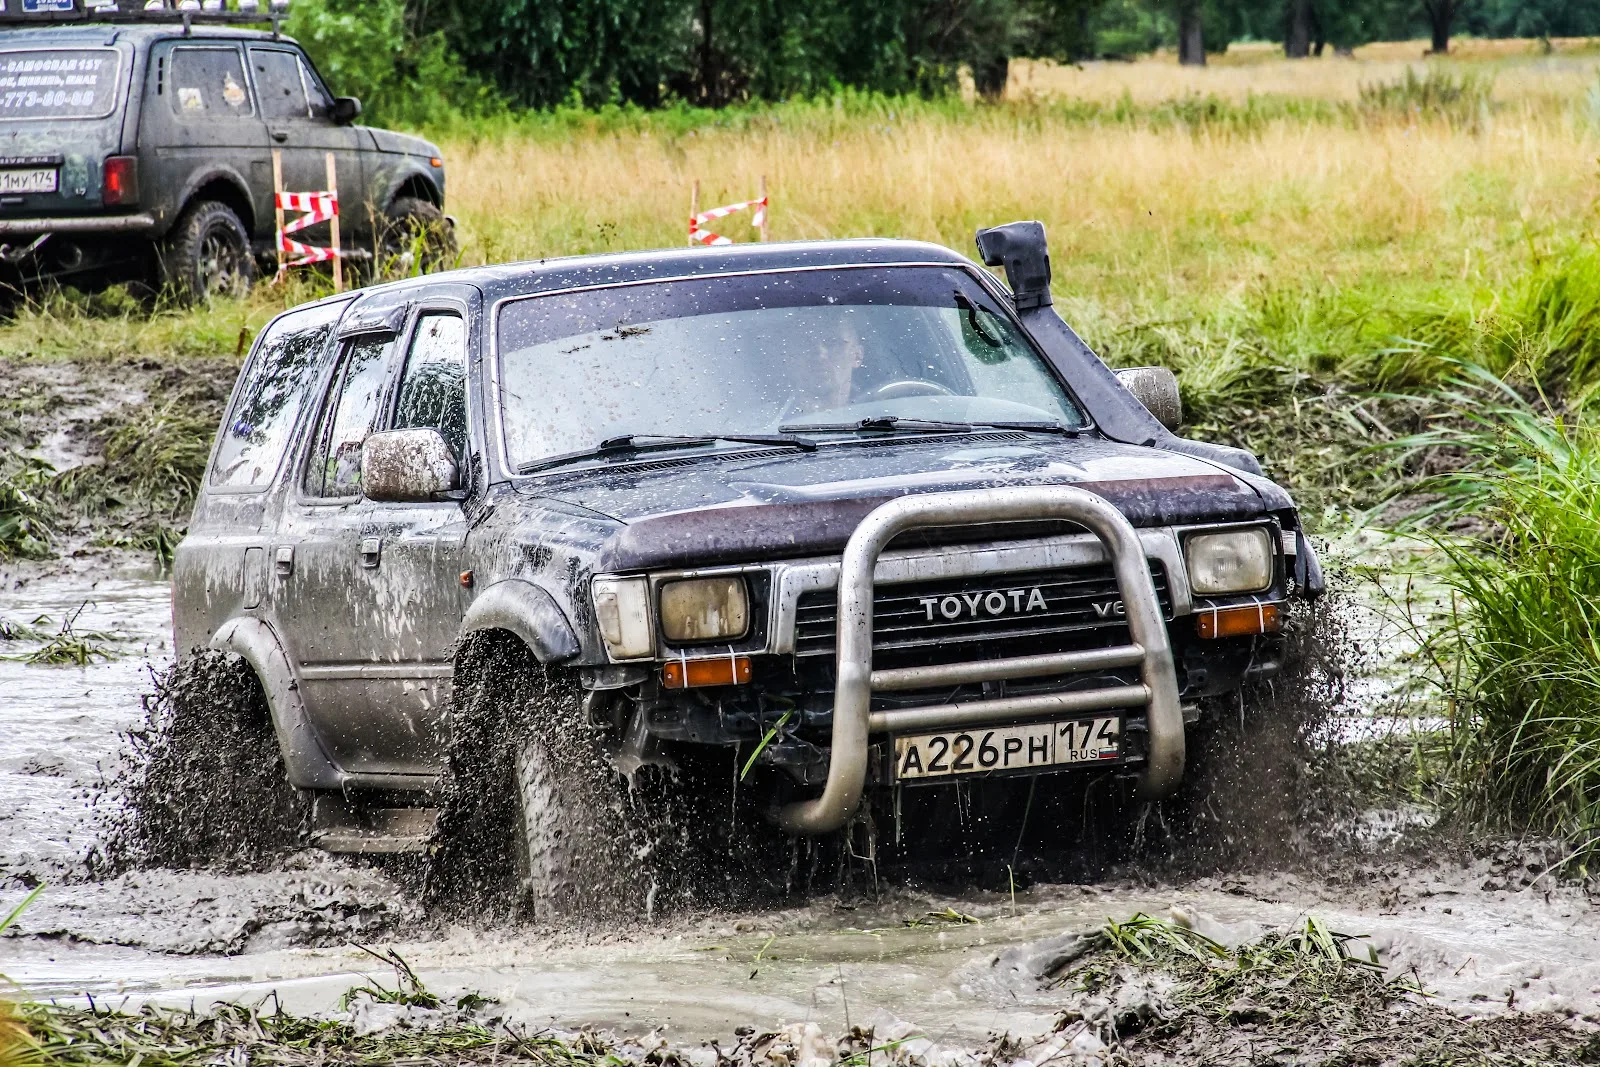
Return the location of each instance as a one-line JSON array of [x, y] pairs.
[[63, 83], [209, 83], [283, 94], [261, 424]]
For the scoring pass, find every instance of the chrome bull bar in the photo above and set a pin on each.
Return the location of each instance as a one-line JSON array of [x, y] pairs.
[[854, 721]]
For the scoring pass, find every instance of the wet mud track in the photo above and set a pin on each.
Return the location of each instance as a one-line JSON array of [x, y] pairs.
[[1468, 930]]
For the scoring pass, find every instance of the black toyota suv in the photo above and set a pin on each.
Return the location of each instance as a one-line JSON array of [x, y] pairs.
[[139, 144], [841, 527]]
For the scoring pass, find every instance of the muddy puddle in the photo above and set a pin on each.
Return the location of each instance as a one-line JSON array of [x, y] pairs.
[[1483, 934]]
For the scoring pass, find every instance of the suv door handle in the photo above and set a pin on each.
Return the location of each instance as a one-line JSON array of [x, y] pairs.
[[280, 135], [371, 551]]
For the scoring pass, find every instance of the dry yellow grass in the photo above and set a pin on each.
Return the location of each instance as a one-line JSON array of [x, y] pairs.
[[1138, 215], [1520, 76]]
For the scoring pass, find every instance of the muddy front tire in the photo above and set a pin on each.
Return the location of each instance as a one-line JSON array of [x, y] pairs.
[[414, 238], [535, 820]]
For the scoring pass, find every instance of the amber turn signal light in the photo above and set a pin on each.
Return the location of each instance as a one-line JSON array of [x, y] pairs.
[[1241, 621], [693, 673]]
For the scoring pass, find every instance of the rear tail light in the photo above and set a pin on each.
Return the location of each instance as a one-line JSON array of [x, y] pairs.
[[120, 184]]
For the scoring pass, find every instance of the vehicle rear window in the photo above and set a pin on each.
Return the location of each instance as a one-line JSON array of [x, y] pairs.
[[64, 83], [261, 425]]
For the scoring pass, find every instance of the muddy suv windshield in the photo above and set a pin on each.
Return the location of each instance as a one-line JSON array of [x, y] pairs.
[[817, 351]]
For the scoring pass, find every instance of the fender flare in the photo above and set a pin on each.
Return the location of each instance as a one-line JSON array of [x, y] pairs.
[[224, 174], [307, 762], [399, 179], [527, 611]]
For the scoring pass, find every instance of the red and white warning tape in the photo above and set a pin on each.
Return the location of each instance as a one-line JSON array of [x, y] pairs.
[[314, 208], [706, 237]]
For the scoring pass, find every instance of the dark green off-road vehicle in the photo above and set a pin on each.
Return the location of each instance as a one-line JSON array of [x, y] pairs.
[[138, 145]]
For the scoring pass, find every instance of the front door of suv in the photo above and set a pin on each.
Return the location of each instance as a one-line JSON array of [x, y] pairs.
[[371, 611], [298, 113]]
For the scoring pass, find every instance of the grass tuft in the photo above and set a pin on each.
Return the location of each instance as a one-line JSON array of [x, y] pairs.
[[1518, 657], [1459, 96], [69, 646], [26, 527]]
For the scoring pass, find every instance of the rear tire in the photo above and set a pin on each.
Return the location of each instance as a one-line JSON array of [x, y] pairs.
[[208, 786], [414, 238], [207, 254]]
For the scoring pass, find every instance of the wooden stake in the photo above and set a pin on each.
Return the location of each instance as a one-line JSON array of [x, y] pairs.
[[277, 187], [333, 229], [766, 210], [694, 207]]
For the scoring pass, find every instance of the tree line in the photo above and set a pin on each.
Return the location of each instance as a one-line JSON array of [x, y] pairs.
[[414, 57]]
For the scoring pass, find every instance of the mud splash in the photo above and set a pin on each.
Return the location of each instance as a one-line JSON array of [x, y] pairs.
[[201, 782]]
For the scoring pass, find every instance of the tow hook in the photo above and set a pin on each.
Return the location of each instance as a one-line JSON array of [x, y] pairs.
[[17, 255]]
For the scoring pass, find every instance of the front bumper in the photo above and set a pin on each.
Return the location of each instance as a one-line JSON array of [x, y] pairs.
[[854, 721]]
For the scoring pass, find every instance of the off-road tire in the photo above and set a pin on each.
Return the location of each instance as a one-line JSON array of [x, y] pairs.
[[535, 821], [414, 237], [207, 784], [207, 254]]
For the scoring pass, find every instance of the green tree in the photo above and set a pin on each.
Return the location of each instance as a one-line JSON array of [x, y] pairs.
[[371, 49]]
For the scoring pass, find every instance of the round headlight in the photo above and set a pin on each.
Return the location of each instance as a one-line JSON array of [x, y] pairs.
[[1229, 561], [704, 609]]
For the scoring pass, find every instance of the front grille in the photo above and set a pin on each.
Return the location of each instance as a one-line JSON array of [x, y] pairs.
[[1073, 600]]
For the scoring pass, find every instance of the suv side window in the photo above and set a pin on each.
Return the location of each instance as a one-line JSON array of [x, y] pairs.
[[259, 427], [433, 391], [334, 467], [208, 83], [283, 94]]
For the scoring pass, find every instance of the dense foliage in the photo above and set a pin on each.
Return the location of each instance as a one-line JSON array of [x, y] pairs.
[[425, 61]]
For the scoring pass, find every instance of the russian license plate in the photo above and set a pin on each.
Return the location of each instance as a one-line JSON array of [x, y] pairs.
[[39, 180], [1008, 748]]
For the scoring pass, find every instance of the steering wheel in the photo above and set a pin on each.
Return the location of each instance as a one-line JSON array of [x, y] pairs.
[[909, 387]]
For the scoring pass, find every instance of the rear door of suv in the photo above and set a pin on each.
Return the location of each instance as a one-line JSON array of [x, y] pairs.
[[61, 100], [199, 122]]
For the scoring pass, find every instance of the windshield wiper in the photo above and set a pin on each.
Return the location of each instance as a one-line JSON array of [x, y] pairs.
[[893, 423], [881, 424], [632, 443]]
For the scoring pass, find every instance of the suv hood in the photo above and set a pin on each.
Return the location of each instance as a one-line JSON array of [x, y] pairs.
[[775, 504], [389, 141]]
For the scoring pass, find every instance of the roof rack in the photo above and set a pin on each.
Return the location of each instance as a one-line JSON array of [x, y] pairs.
[[186, 13]]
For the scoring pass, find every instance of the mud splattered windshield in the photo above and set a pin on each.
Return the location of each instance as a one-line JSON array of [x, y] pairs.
[[812, 351]]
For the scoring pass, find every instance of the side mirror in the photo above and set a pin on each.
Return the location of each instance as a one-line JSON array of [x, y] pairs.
[[345, 109], [1157, 389], [407, 465]]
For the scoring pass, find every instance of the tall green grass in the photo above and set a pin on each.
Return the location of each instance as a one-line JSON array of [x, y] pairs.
[[1519, 658]]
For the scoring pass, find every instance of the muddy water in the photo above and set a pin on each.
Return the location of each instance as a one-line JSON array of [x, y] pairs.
[[1472, 932]]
